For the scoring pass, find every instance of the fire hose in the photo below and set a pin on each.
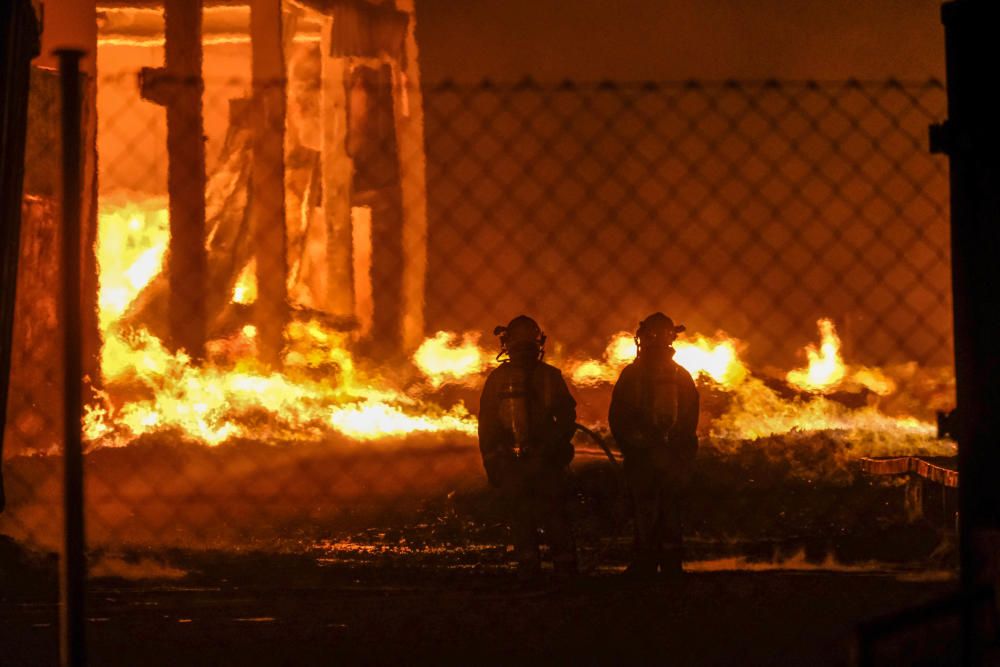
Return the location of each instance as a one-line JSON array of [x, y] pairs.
[[620, 511], [601, 442]]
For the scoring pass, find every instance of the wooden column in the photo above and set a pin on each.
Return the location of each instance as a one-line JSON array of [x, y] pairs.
[[336, 169], [178, 86], [267, 186], [409, 111], [372, 145]]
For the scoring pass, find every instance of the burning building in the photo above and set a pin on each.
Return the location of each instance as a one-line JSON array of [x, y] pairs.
[[256, 241], [249, 165], [256, 196], [313, 157], [255, 184]]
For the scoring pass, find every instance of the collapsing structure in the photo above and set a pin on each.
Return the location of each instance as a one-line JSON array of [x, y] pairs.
[[319, 180], [285, 140]]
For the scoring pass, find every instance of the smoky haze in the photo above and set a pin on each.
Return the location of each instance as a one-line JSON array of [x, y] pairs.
[[676, 39]]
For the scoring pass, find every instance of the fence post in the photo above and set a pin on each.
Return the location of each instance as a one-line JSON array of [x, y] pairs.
[[971, 139], [20, 30], [73, 573]]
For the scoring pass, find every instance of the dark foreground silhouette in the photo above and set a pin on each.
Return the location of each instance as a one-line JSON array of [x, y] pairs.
[[292, 610]]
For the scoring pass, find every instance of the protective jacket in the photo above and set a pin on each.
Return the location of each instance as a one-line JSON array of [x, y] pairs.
[[526, 414], [654, 411], [654, 417]]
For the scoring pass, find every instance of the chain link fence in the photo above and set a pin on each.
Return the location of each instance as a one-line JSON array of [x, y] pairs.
[[753, 208]]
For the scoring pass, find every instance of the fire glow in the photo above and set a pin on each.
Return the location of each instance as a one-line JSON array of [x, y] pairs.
[[826, 368], [827, 371], [150, 389], [716, 359], [320, 389], [446, 357]]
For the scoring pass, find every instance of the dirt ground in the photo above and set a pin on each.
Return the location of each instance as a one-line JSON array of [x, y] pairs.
[[297, 610]]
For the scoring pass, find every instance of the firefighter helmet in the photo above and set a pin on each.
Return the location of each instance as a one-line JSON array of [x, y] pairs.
[[521, 333], [657, 330]]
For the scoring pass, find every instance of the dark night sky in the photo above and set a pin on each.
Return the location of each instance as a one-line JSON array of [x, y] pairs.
[[678, 39]]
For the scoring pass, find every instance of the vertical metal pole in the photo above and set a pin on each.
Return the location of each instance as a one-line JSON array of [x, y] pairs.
[[73, 572], [971, 140], [18, 30]]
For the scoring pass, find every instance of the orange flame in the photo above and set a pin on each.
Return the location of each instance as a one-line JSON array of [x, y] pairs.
[[322, 390], [716, 359], [130, 250], [212, 402], [245, 289], [446, 357], [757, 411], [827, 371], [826, 368]]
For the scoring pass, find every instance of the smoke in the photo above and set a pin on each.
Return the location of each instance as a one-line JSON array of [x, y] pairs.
[[133, 570]]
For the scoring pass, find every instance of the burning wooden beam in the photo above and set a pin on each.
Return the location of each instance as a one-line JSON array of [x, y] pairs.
[[336, 171], [268, 177], [178, 87], [310, 238], [372, 145], [413, 182]]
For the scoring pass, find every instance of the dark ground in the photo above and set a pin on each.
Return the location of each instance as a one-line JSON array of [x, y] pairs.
[[305, 555], [292, 610]]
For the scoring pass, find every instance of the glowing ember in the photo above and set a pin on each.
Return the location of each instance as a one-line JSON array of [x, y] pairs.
[[447, 358]]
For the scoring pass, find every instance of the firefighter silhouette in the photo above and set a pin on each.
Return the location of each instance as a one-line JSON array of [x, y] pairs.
[[654, 417], [526, 425]]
